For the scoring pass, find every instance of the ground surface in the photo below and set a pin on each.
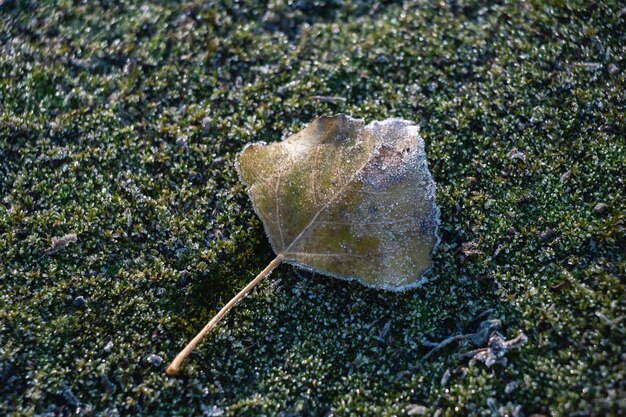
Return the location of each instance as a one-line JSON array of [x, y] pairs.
[[120, 123]]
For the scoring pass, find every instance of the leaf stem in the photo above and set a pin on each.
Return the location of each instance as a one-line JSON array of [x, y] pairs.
[[175, 365]]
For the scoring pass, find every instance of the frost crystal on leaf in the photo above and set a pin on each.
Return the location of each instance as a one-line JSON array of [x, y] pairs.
[[346, 199]]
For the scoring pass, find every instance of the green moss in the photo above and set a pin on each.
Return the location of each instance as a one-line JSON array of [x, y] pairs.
[[120, 123]]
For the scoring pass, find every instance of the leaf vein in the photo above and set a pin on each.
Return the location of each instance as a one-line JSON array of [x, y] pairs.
[[278, 213], [331, 199]]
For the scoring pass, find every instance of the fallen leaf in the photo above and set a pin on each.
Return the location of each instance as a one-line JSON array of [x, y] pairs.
[[346, 199], [496, 350]]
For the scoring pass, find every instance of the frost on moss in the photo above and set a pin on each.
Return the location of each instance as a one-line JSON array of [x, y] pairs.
[[119, 123]]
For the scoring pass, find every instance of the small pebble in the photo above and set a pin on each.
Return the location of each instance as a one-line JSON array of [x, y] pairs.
[[381, 59], [219, 161], [510, 387], [84, 410], [206, 124], [600, 208], [566, 176], [516, 155], [155, 360], [212, 410], [108, 347], [416, 410], [79, 301]]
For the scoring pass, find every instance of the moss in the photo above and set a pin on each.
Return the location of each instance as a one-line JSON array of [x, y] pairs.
[[119, 123]]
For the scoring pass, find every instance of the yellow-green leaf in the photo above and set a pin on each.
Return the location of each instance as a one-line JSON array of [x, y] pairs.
[[346, 199]]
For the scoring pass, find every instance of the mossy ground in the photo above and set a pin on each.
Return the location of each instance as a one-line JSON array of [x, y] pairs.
[[120, 121]]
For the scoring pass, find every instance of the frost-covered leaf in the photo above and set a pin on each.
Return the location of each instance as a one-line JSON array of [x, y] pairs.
[[346, 199]]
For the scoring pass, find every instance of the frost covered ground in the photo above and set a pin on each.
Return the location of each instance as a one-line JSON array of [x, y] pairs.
[[120, 122]]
